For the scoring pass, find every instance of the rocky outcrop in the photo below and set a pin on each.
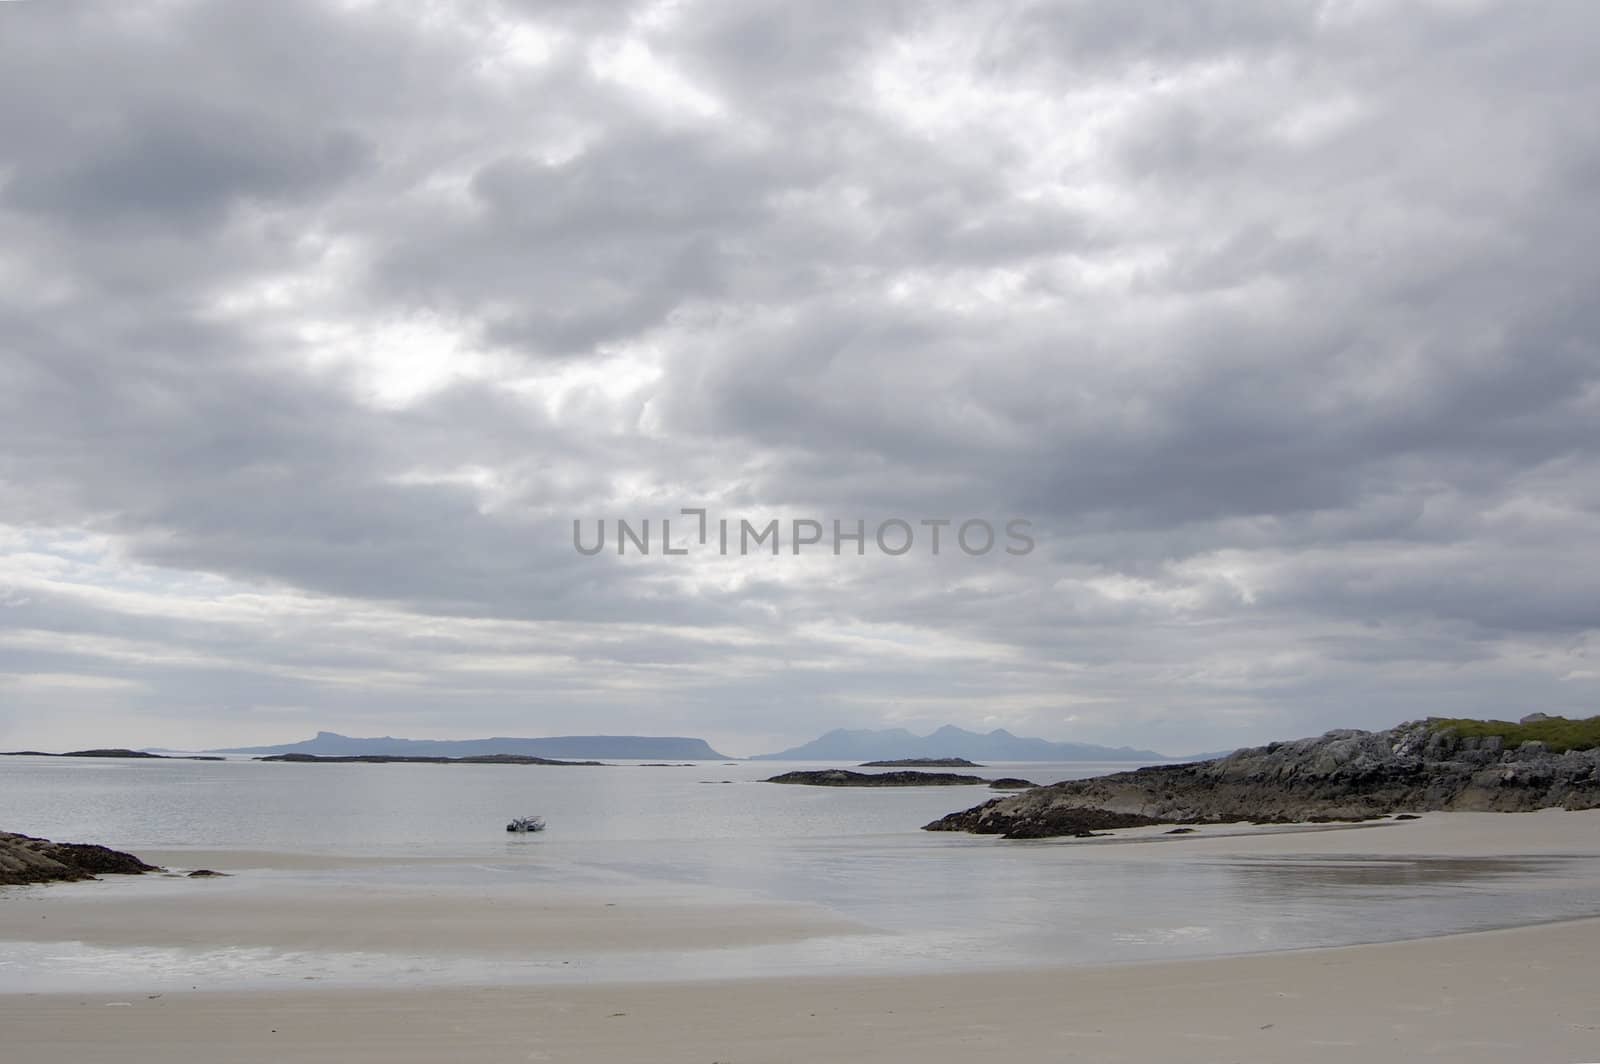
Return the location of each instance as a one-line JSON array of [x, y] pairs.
[[1343, 775], [24, 859], [840, 777], [115, 752], [1083, 823], [843, 777], [923, 762]]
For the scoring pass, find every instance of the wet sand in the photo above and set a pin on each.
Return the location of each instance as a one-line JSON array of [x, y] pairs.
[[1549, 831], [1518, 994], [240, 913], [1523, 994]]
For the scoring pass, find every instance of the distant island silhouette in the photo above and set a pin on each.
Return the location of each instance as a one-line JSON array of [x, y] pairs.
[[900, 745], [326, 743]]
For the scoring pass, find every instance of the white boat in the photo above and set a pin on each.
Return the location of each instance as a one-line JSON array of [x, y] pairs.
[[526, 823]]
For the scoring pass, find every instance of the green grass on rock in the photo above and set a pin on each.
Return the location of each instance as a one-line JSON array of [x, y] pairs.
[[1558, 733]]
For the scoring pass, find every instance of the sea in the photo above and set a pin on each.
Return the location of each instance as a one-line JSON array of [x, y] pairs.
[[930, 902]]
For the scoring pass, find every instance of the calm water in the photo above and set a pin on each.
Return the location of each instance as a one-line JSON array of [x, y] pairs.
[[937, 901], [456, 810]]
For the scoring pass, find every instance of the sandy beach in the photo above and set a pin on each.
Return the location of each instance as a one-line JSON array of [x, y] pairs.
[[496, 923], [1525, 994], [1520, 993]]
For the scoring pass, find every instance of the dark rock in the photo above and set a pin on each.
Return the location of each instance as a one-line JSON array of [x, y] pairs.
[[1058, 820], [1322, 818], [1345, 775], [110, 753], [1407, 816], [401, 759], [205, 873], [1011, 783], [840, 777], [923, 762], [24, 859], [1180, 831]]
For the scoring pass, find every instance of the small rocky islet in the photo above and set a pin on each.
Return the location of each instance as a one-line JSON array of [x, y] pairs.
[[1345, 775], [843, 777], [25, 859], [417, 759], [923, 762]]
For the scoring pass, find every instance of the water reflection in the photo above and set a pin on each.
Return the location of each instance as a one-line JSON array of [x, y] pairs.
[[1343, 872], [938, 902]]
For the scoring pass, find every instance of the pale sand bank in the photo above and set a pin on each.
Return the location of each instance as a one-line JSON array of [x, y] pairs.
[[486, 922], [1548, 831], [1520, 995], [272, 860]]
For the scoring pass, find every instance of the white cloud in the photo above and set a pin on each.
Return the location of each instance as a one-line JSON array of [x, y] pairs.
[[1274, 319]]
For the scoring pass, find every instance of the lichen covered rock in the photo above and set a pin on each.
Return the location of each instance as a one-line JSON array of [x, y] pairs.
[[1342, 775]]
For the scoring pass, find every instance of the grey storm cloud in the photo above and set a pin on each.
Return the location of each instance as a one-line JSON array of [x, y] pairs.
[[320, 323]]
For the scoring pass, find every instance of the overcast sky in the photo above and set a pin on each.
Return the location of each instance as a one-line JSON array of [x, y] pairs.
[[321, 323]]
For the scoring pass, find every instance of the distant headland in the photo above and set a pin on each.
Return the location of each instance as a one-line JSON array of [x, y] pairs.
[[111, 752], [627, 747], [898, 744]]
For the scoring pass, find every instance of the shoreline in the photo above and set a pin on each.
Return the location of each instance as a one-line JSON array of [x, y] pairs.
[[1218, 839], [1476, 996], [546, 915], [325, 957]]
